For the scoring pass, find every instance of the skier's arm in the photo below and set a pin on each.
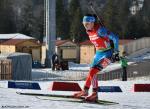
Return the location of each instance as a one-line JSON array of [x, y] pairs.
[[103, 32], [115, 40]]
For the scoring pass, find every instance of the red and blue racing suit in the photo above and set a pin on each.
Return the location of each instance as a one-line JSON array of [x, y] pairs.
[[100, 37]]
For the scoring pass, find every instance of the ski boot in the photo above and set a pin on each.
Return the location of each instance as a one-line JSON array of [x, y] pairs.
[[82, 93], [93, 97]]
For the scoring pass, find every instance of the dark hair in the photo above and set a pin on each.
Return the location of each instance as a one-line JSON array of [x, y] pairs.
[[92, 15]]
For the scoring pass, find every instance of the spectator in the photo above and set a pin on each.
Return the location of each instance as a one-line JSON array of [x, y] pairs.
[[124, 64], [55, 62]]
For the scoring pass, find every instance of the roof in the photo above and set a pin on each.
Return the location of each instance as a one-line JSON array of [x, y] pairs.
[[60, 42], [15, 41], [87, 42], [15, 36], [124, 41]]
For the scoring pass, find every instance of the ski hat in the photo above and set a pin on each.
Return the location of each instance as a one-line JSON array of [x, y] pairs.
[[89, 19]]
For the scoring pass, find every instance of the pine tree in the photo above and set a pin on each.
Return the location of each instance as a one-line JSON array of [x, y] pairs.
[[132, 28], [27, 18], [38, 23], [139, 24], [109, 15], [145, 15], [31, 21], [76, 28], [62, 20], [116, 14], [6, 17], [66, 25], [123, 15]]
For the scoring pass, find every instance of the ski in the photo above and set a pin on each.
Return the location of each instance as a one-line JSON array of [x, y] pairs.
[[67, 98], [99, 102], [47, 95]]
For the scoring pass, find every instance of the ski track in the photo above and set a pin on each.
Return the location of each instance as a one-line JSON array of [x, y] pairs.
[[126, 99]]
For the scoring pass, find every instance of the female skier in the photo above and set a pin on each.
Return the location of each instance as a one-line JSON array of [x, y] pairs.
[[101, 38]]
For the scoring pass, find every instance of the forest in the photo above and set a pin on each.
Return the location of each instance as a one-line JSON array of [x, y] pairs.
[[28, 17]]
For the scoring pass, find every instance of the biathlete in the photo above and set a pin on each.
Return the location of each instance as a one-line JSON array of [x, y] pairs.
[[101, 38]]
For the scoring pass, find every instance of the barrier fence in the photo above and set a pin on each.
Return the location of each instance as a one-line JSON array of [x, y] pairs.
[[135, 70], [5, 69], [81, 75], [137, 45], [141, 69]]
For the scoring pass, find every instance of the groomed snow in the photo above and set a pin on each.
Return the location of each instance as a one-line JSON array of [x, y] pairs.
[[126, 99], [14, 36]]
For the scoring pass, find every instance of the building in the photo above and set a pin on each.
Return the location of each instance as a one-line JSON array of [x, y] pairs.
[[136, 6], [87, 52], [11, 43], [122, 45], [137, 44], [65, 49]]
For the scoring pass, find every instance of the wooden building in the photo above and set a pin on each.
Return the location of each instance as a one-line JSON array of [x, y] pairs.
[[87, 52], [65, 49], [122, 45], [30, 46]]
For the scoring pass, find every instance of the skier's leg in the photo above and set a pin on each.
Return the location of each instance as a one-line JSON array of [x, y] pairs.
[[95, 67], [82, 93], [87, 85], [94, 96], [90, 78]]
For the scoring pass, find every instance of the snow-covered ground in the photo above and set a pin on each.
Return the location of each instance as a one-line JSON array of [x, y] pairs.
[[126, 99], [141, 55], [85, 67], [75, 72]]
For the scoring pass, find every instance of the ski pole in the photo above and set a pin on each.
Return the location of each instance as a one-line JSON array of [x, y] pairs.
[[94, 11]]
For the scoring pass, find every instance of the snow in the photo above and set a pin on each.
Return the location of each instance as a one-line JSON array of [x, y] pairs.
[[85, 67], [75, 72], [126, 99], [14, 36], [140, 55]]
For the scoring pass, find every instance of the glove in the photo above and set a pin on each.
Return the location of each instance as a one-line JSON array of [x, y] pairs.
[[115, 56]]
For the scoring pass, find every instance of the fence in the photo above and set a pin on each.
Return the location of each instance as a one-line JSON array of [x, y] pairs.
[[138, 69], [135, 70], [6, 69], [81, 76], [16, 66], [115, 75], [137, 45]]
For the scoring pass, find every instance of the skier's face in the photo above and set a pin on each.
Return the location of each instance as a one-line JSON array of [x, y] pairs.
[[88, 25]]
